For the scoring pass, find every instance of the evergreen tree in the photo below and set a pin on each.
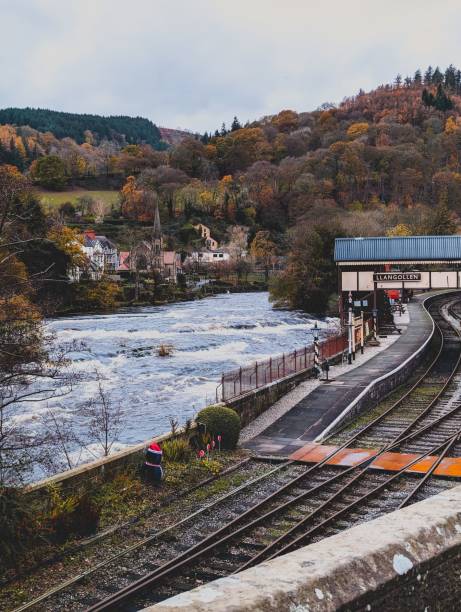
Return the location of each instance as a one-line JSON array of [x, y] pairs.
[[133, 130], [427, 98], [235, 125], [450, 77], [223, 129], [458, 81], [13, 156], [418, 79], [440, 221], [407, 81], [398, 80], [428, 76], [437, 77], [441, 101], [2, 153], [26, 148]]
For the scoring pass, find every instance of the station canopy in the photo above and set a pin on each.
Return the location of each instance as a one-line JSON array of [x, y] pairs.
[[398, 249]]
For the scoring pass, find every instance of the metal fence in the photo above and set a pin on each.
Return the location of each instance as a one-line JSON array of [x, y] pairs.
[[260, 373]]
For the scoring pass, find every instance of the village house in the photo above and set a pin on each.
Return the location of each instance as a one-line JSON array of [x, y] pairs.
[[205, 233], [101, 258], [208, 257], [101, 252]]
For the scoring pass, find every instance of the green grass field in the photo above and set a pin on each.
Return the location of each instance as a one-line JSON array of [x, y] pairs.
[[53, 199]]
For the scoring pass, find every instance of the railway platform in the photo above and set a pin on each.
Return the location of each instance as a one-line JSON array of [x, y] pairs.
[[318, 411]]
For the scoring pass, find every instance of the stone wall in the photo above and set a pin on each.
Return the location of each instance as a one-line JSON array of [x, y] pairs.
[[95, 471], [406, 560]]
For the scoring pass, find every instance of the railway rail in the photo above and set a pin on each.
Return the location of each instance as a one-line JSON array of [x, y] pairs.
[[302, 505]]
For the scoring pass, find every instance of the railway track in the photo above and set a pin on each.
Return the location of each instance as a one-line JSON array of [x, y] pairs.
[[301, 505], [422, 401]]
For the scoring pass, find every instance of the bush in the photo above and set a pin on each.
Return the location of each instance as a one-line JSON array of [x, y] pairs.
[[18, 526], [176, 450], [72, 516], [223, 421]]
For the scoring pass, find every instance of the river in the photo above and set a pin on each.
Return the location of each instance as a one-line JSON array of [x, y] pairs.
[[209, 336]]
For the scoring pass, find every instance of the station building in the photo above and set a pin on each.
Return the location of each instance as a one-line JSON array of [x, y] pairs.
[[370, 270]]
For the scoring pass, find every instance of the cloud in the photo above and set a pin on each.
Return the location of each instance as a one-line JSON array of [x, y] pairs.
[[196, 63]]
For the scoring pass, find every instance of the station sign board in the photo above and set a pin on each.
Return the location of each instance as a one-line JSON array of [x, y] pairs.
[[407, 277]]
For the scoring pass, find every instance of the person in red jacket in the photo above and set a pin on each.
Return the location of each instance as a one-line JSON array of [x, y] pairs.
[[153, 463]]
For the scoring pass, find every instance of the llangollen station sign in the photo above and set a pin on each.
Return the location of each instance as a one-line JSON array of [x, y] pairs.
[[396, 276]]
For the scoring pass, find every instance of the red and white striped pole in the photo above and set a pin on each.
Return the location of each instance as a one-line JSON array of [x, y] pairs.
[[316, 350]]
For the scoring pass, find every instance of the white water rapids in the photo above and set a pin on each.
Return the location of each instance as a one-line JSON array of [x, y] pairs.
[[209, 336]]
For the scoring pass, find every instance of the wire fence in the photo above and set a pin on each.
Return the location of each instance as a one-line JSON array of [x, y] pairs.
[[260, 373]]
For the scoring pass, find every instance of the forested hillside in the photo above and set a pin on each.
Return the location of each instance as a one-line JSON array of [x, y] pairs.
[[84, 127], [383, 162]]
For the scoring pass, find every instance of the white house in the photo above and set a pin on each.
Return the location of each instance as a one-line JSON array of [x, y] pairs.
[[101, 252], [207, 257]]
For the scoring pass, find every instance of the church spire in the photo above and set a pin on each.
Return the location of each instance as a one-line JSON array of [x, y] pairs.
[[157, 229]]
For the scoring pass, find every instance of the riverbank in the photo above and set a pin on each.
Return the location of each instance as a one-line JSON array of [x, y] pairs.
[[179, 296], [208, 337]]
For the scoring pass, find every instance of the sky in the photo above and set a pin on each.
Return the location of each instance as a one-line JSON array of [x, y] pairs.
[[195, 63]]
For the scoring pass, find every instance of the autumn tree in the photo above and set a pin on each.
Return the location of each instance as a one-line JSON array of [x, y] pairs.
[[190, 157], [440, 221], [399, 230], [263, 249], [286, 120], [70, 242], [131, 198], [238, 150], [28, 370], [49, 172]]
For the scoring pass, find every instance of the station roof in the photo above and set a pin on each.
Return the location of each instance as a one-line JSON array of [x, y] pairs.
[[402, 249]]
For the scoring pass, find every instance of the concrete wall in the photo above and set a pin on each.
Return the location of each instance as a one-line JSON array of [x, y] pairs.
[[407, 560]]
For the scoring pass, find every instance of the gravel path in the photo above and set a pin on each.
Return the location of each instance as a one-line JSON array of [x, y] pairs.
[[288, 401]]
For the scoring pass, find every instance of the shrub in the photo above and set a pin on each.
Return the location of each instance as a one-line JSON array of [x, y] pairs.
[[223, 421], [118, 495], [214, 467], [18, 526], [72, 516], [176, 450]]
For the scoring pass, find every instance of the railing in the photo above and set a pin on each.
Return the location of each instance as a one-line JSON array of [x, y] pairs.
[[238, 382]]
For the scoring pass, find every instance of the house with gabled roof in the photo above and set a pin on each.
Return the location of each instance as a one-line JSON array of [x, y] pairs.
[[101, 252]]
